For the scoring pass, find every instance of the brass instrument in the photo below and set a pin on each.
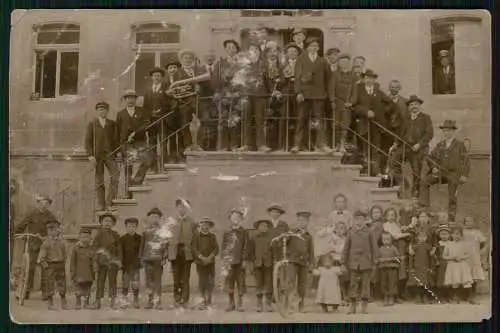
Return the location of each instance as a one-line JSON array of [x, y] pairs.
[[184, 88]]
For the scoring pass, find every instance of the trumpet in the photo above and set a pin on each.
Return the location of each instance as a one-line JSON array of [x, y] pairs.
[[184, 88]]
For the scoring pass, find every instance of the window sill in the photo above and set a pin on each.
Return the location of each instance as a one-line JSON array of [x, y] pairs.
[[66, 98]]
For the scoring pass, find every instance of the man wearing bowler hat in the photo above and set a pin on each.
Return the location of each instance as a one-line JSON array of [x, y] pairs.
[[298, 37], [310, 72], [448, 164], [444, 75], [132, 124], [36, 223], [413, 144], [101, 143], [369, 105]]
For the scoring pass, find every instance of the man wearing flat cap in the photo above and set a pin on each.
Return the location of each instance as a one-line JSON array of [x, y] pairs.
[[340, 87], [332, 56], [369, 105], [311, 72], [444, 75], [101, 144], [299, 37], [133, 131], [413, 144], [448, 164], [36, 223]]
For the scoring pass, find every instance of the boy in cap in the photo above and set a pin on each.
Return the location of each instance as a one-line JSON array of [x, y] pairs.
[[82, 269], [133, 132], [180, 252], [359, 257], [52, 258], [448, 164], [153, 253], [205, 249], [444, 75], [260, 256], [101, 143], [36, 223], [130, 244], [278, 226], [298, 37], [107, 258], [234, 255], [332, 56], [301, 255]]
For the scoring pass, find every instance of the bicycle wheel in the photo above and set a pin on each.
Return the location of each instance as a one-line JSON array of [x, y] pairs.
[[23, 279], [280, 286]]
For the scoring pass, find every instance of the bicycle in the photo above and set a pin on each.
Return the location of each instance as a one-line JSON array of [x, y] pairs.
[[280, 276], [22, 283]]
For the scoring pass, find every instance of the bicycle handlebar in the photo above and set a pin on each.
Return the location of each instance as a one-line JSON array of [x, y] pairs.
[[287, 234]]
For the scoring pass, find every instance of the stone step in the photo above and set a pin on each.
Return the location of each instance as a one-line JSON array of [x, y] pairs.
[[385, 190], [174, 167], [91, 226], [253, 155], [157, 177], [124, 202], [140, 188], [367, 179]]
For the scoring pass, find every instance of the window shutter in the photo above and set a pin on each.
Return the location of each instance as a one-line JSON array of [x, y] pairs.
[[468, 66]]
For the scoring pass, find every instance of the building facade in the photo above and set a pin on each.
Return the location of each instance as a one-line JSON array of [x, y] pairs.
[[64, 61]]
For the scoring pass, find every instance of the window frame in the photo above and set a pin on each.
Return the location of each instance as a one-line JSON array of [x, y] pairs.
[[59, 48]]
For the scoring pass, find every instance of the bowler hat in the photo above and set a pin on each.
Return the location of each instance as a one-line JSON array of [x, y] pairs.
[[311, 40], [185, 51], [277, 207], [332, 51], [304, 213], [131, 220], [107, 214], [359, 212], [370, 73], [207, 220], [44, 197], [129, 92], [259, 222], [443, 53], [155, 210], [157, 70], [183, 202], [231, 41], [173, 63], [451, 124], [293, 46], [297, 31], [52, 224], [414, 98], [344, 56], [103, 105]]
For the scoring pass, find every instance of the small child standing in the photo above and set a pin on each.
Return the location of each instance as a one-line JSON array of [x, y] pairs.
[[388, 264], [131, 263], [443, 232], [477, 244], [52, 258], [153, 254], [260, 255], [420, 266], [234, 256], [340, 233], [458, 272], [205, 248], [107, 258], [329, 293], [82, 269], [360, 252]]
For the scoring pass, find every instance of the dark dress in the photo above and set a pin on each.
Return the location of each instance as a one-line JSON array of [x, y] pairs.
[[420, 265]]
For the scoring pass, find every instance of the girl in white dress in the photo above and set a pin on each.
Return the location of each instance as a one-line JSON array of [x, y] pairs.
[[328, 287], [477, 245], [458, 272]]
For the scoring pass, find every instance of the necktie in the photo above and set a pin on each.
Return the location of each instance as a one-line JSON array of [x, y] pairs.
[[414, 116]]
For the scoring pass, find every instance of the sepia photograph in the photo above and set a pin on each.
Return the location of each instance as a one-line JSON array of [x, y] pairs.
[[250, 166]]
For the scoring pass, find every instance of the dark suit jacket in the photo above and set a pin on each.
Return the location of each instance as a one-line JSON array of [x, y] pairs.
[[222, 75], [126, 124], [301, 251], [397, 114], [360, 249], [96, 136], [444, 83], [235, 245], [154, 101], [452, 160], [259, 250], [340, 87], [363, 102], [311, 77], [418, 131]]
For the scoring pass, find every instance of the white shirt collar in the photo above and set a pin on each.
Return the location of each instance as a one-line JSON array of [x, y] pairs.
[[414, 116], [156, 87], [448, 142], [102, 121], [313, 56], [369, 90], [131, 110]]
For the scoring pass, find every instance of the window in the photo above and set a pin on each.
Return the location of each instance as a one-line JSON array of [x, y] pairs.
[[456, 56], [156, 45], [270, 13], [56, 60]]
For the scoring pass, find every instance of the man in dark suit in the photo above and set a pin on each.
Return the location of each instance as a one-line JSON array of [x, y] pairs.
[[448, 164], [310, 86], [208, 112], [413, 144], [444, 75], [132, 125], [332, 57], [369, 104], [101, 143], [399, 109], [171, 121], [298, 38], [187, 105], [156, 105]]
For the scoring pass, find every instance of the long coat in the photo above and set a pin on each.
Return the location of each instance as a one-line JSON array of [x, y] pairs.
[[360, 249], [35, 223], [138, 123], [418, 131], [100, 141], [154, 101], [340, 88], [452, 161], [311, 77], [363, 102]]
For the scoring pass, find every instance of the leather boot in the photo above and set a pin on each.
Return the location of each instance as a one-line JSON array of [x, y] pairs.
[[97, 304], [364, 306], [269, 303], [112, 303], [136, 299], [352, 307], [78, 304], [240, 303], [149, 305], [390, 301], [301, 305], [260, 305], [209, 299], [231, 306], [50, 303], [64, 304], [86, 303]]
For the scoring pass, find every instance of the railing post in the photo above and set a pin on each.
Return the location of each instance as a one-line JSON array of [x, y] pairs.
[[334, 124], [287, 120], [219, 125], [403, 173], [369, 150]]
